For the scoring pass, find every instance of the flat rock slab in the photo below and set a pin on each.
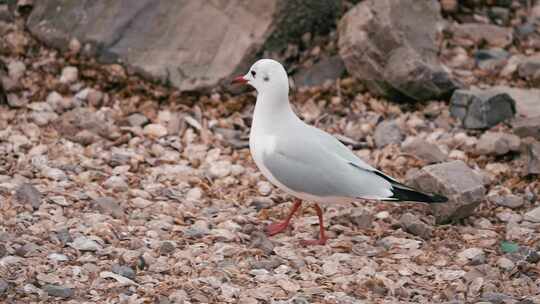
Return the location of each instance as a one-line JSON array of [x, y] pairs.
[[391, 46], [462, 186], [190, 44], [481, 109], [527, 126]]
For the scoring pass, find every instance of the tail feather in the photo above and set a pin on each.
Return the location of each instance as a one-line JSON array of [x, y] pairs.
[[401, 192], [407, 194]]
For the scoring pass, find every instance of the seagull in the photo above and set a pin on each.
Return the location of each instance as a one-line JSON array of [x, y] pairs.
[[308, 163]]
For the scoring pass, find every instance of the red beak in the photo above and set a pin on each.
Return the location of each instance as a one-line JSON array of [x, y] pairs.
[[239, 79]]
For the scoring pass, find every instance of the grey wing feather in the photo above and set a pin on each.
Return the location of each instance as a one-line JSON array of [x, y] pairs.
[[318, 164]]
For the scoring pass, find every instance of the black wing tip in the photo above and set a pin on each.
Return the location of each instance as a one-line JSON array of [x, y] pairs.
[[401, 194]]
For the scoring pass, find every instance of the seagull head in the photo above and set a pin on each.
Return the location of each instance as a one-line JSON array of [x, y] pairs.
[[266, 75]]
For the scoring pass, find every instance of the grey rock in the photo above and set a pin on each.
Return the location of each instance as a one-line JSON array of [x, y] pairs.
[[527, 100], [412, 224], [386, 133], [463, 187], [260, 240], [527, 127], [69, 75], [497, 143], [197, 230], [533, 215], [115, 34], [54, 173], [220, 169], [505, 263], [16, 101], [16, 69], [137, 120], [481, 109], [529, 67], [491, 59], [116, 183], [167, 247], [424, 150], [496, 297], [64, 236], [28, 194], [27, 250], [532, 155], [109, 205], [83, 243], [59, 291], [328, 69], [3, 287], [124, 271], [391, 46], [508, 200]]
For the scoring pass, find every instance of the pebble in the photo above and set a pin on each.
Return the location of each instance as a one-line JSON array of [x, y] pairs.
[[167, 247], [412, 224], [124, 271], [264, 188], [386, 133], [69, 75], [58, 257], [28, 194], [198, 229], [220, 169], [508, 200], [505, 263], [3, 287], [59, 291], [194, 194], [109, 205], [155, 130], [141, 203], [533, 215], [137, 120], [16, 69], [54, 174], [426, 151], [116, 183], [83, 243]]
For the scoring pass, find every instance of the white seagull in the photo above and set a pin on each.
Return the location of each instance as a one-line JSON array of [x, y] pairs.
[[306, 162]]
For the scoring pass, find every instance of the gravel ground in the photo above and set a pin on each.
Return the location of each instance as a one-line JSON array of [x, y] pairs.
[[117, 190]]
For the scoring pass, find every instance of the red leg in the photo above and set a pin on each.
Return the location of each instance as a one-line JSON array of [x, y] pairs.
[[276, 228], [322, 237]]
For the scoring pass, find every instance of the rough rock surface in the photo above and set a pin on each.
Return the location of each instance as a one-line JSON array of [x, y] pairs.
[[525, 127], [527, 100], [328, 69], [463, 187], [387, 132], [497, 143], [380, 47], [480, 109], [194, 45], [424, 150], [532, 156]]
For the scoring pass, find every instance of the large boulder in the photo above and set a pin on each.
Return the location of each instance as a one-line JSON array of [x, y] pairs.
[[462, 186], [391, 45], [190, 44]]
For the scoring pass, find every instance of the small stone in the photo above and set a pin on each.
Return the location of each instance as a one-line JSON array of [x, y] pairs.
[[124, 271], [56, 101], [167, 247], [16, 101], [507, 200], [330, 267], [505, 263], [58, 257], [529, 67], [58, 291], [137, 120], [473, 254], [288, 285], [412, 224], [54, 174], [260, 240], [491, 59], [480, 109], [83, 243], [527, 127], [469, 34], [16, 69], [116, 183], [198, 229], [220, 169], [155, 130], [463, 187], [532, 156], [3, 287], [194, 194], [108, 205], [28, 194], [264, 188], [449, 6], [533, 215], [74, 45], [64, 236], [141, 203], [497, 143], [386, 133], [69, 75], [424, 150]]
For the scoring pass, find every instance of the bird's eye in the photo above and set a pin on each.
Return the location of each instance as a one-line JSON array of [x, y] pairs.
[[253, 73]]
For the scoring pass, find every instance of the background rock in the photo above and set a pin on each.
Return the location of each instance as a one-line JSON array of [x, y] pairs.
[[525, 127], [481, 109], [183, 52], [391, 46], [497, 143]]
